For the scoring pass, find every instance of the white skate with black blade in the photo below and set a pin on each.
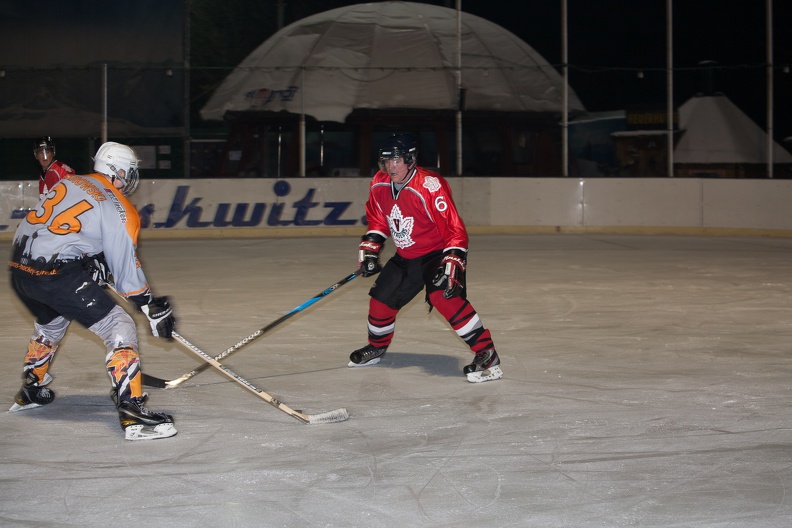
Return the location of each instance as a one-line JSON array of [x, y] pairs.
[[485, 367], [139, 423]]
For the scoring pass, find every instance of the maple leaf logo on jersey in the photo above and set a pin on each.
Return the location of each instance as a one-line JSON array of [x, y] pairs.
[[401, 228], [431, 183]]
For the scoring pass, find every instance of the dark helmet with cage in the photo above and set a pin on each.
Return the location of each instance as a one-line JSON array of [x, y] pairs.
[[117, 161], [44, 144], [399, 146]]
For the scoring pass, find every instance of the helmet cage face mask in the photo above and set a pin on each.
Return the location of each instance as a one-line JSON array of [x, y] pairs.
[[131, 178]]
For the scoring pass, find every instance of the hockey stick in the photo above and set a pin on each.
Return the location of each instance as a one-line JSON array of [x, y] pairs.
[[152, 381], [339, 415]]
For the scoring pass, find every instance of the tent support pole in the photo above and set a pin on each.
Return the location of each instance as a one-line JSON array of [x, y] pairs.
[[104, 103], [565, 94], [670, 87], [302, 123], [459, 90], [769, 22]]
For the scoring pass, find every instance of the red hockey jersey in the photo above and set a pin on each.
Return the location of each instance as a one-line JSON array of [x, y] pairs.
[[420, 218], [52, 175]]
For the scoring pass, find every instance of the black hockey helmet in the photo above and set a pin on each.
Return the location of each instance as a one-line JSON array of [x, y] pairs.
[[44, 143], [399, 146]]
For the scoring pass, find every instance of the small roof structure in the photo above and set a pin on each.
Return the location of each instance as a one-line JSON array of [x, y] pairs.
[[391, 55], [717, 131]]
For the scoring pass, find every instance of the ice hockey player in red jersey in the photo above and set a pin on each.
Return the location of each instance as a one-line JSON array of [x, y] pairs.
[[81, 236], [413, 206], [52, 171]]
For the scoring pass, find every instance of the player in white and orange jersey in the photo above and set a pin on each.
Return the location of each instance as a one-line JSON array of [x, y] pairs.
[[414, 207], [82, 235]]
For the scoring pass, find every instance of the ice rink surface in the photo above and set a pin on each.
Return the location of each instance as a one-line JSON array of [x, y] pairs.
[[648, 382]]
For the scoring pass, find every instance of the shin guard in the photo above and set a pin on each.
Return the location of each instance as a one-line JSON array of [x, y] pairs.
[[123, 366], [381, 323], [464, 320], [40, 354]]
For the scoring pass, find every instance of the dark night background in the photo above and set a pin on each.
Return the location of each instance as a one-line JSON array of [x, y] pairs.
[[609, 43]]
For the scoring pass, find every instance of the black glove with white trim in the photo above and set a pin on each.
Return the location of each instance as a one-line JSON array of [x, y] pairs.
[[368, 254], [160, 316], [451, 272]]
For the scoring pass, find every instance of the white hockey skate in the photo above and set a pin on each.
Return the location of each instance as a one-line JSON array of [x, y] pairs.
[[140, 423], [485, 367]]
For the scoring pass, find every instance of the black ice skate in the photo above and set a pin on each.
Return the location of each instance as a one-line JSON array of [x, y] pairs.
[[140, 423], [485, 367], [33, 393], [368, 355]]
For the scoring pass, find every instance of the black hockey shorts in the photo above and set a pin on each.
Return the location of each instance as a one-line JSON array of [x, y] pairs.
[[401, 279], [72, 295]]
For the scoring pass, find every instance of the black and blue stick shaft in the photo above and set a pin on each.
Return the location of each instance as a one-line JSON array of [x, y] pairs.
[[153, 381]]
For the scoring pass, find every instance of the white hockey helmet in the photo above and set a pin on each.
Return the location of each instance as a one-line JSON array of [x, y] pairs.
[[115, 160]]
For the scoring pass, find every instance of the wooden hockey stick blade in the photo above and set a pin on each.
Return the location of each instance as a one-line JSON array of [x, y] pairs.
[[171, 384], [339, 415]]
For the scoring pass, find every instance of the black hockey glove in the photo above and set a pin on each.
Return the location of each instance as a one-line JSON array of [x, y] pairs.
[[160, 316], [451, 272], [96, 267], [368, 254]]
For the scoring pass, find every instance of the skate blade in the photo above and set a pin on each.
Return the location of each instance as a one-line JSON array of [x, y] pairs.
[[490, 374], [149, 432], [16, 407], [367, 364]]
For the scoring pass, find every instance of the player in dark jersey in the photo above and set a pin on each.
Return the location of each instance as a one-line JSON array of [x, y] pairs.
[[52, 170], [414, 207], [81, 235]]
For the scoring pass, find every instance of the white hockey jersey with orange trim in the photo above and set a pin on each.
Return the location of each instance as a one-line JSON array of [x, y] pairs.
[[84, 215]]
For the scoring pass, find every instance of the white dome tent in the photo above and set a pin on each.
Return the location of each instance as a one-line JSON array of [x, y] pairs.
[[391, 56]]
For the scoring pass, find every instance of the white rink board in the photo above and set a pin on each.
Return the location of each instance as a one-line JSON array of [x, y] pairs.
[[536, 202], [252, 207], [644, 202], [748, 204]]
